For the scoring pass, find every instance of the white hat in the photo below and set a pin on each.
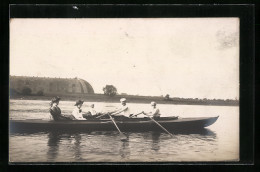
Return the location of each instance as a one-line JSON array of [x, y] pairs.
[[153, 103], [122, 100]]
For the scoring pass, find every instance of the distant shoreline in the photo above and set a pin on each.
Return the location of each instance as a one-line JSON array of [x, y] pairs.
[[130, 99]]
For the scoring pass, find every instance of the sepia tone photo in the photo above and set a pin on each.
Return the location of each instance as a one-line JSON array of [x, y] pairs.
[[124, 90]]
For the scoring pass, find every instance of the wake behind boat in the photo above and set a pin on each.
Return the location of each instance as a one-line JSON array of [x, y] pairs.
[[131, 124]]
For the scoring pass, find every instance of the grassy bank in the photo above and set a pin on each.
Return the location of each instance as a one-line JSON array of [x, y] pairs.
[[130, 99]]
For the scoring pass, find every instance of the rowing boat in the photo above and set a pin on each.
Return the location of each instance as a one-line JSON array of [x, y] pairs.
[[131, 124]]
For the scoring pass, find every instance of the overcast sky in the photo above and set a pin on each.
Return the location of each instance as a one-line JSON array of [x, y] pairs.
[[183, 57]]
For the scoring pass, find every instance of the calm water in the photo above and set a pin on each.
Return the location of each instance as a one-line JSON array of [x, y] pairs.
[[219, 142]]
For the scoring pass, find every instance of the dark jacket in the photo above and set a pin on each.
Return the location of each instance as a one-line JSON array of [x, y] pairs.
[[56, 114]]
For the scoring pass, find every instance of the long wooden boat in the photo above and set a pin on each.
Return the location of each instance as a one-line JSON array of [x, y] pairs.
[[132, 124]]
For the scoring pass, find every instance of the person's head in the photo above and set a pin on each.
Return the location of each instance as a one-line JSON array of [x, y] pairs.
[[79, 103], [153, 104], [55, 101], [123, 101], [92, 105]]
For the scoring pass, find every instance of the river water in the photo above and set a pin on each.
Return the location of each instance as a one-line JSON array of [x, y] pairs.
[[219, 142]]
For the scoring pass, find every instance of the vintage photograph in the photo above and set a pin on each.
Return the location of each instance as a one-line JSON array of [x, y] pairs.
[[124, 90]]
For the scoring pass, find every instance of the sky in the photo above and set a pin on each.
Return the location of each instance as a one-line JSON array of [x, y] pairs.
[[182, 57]]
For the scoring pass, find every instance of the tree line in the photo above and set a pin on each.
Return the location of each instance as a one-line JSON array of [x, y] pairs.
[[111, 90]]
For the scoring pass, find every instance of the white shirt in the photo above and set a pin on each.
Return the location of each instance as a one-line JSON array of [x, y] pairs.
[[123, 110], [126, 111], [92, 111], [155, 112], [77, 114]]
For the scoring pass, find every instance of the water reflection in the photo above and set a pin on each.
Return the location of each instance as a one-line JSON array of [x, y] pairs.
[[55, 139], [204, 135], [77, 147], [201, 131], [155, 141], [64, 146], [53, 145], [124, 150]]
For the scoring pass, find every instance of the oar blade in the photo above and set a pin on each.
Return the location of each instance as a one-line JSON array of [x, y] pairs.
[[123, 137]]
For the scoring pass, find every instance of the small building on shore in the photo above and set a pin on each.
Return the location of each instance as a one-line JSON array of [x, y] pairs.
[[50, 86]]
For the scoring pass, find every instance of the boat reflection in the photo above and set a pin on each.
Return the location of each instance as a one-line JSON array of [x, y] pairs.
[[54, 140], [76, 146], [157, 138], [124, 150], [155, 141], [202, 132], [53, 145], [64, 145]]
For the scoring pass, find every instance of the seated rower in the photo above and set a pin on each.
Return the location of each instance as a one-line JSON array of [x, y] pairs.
[[56, 112], [77, 112], [123, 111], [92, 110], [155, 112], [92, 113]]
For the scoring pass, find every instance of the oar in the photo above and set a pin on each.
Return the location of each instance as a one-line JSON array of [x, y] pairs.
[[159, 125], [102, 115], [105, 114], [122, 136], [136, 114]]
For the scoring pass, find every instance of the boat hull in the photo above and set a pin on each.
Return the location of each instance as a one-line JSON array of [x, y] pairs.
[[107, 125]]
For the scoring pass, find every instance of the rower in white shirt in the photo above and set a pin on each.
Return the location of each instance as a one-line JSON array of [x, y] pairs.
[[77, 112], [155, 112], [123, 110], [92, 110]]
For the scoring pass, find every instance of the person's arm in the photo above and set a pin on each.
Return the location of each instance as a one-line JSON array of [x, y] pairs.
[[113, 111], [119, 111], [147, 113]]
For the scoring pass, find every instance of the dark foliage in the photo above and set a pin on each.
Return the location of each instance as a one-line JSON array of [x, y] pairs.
[[26, 91], [110, 90], [13, 92], [167, 97], [40, 93]]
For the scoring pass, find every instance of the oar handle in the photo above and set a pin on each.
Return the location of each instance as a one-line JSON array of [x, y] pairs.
[[136, 114], [102, 115]]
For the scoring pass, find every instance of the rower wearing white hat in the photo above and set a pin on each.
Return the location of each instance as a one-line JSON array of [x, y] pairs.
[[155, 112], [123, 110]]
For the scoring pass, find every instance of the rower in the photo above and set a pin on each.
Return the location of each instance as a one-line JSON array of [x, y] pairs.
[[123, 111], [155, 112], [92, 110], [92, 113]]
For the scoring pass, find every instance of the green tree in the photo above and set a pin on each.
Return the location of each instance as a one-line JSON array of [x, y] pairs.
[[110, 90]]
